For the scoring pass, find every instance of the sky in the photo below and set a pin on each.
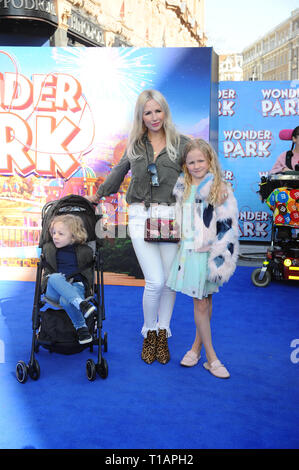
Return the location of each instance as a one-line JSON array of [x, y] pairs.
[[232, 25]]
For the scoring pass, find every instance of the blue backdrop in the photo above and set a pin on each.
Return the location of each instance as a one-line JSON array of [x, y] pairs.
[[251, 115]]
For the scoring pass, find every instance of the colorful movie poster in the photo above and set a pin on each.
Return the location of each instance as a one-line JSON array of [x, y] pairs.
[[65, 114], [251, 115]]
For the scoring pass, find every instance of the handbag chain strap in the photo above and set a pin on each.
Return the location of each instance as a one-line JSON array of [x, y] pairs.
[[148, 203]]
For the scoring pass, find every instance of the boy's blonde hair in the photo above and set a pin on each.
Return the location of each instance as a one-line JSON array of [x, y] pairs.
[[74, 224], [214, 168], [138, 128]]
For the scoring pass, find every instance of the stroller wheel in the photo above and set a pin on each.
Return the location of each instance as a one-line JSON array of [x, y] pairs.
[[90, 370], [102, 369], [105, 342], [34, 370], [264, 282], [21, 372]]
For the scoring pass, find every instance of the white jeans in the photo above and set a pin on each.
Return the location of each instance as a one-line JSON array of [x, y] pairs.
[[155, 260]]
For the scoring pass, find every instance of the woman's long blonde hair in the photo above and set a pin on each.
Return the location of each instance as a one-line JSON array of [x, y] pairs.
[[214, 168], [74, 224], [138, 128]]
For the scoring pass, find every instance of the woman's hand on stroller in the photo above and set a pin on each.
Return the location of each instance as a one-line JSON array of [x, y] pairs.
[[94, 198]]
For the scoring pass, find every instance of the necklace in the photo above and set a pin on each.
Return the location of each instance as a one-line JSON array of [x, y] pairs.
[[158, 142], [159, 146]]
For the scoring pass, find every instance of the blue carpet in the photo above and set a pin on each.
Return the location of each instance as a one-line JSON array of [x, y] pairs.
[[156, 406]]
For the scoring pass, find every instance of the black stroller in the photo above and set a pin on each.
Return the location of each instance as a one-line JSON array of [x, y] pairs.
[[52, 328]]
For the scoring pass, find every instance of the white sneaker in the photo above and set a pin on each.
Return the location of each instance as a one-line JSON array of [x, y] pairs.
[[87, 308]]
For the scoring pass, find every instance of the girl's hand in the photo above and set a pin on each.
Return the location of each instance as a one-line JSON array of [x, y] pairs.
[[223, 192]]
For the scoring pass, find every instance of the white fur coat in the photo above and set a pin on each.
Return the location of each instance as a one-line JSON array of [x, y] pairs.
[[215, 229]]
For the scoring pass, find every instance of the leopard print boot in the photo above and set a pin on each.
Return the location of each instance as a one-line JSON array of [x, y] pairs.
[[162, 352], [149, 347]]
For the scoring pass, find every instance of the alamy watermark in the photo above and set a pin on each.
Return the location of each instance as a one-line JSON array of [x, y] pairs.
[[114, 222], [295, 354]]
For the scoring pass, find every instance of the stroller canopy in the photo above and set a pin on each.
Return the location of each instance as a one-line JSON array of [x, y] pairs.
[[71, 204]]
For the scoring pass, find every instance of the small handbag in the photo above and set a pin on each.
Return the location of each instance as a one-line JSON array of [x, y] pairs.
[[160, 229]]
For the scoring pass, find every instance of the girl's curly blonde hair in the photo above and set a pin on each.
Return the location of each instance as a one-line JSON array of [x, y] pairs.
[[214, 168], [74, 224]]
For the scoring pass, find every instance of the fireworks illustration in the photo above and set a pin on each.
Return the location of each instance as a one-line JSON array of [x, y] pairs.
[[111, 80]]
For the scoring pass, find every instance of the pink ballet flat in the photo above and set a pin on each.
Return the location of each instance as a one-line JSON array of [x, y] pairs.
[[217, 369], [190, 359]]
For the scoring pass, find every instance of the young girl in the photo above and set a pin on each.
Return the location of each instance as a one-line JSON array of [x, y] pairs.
[[208, 250], [68, 253]]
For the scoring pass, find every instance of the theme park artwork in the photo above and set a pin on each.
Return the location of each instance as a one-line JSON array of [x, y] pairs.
[[65, 114], [251, 116]]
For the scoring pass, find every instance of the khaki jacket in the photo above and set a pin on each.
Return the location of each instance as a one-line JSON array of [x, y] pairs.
[[140, 189]]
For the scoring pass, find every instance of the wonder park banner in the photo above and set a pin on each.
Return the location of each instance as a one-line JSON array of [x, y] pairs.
[[65, 114], [251, 115]]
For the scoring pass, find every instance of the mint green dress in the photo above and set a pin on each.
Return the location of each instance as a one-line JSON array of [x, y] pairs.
[[189, 270]]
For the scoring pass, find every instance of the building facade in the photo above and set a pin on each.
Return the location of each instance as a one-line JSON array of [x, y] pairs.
[[230, 67], [274, 56], [140, 23]]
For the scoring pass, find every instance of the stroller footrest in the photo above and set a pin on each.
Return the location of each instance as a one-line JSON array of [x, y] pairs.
[[51, 302]]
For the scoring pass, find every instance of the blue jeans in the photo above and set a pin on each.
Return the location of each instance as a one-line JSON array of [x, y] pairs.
[[59, 290]]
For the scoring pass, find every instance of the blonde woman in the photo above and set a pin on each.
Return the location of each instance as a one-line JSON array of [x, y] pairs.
[[208, 250], [153, 140], [67, 252]]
